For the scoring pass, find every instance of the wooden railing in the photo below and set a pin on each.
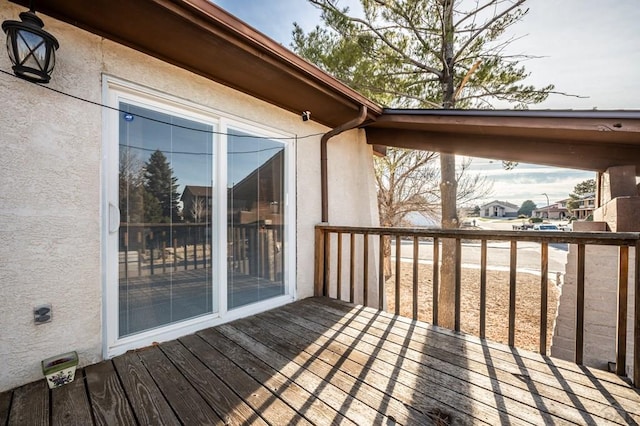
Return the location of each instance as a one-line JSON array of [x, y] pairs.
[[148, 249], [360, 239]]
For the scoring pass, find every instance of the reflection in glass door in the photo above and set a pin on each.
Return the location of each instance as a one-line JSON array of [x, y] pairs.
[[255, 219], [166, 211]]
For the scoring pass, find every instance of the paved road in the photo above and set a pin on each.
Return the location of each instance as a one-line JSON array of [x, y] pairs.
[[497, 252], [498, 255]]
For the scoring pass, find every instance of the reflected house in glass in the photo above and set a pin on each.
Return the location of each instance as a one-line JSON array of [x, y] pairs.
[[255, 235], [258, 197], [197, 202]]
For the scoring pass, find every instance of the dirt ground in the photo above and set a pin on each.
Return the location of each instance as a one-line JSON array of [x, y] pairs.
[[497, 316]]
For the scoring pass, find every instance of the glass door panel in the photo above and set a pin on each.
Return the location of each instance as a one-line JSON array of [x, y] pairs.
[[255, 219], [166, 212]]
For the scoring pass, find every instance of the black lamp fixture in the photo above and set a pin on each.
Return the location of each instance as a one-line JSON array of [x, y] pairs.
[[31, 49]]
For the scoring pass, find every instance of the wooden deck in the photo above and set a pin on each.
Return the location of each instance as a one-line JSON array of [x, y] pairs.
[[324, 362]]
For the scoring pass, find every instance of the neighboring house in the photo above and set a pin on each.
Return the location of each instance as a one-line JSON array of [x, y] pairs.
[[197, 202], [586, 206], [558, 210], [499, 209]]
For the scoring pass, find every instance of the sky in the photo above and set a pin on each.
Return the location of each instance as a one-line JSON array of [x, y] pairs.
[[589, 48]]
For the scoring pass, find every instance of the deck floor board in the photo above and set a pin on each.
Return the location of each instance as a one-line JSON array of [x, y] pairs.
[[108, 400], [514, 388], [324, 362]]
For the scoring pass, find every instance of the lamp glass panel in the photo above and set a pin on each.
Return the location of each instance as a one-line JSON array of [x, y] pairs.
[[31, 49], [10, 47]]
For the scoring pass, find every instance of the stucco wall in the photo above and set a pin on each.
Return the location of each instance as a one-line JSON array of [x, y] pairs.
[[50, 198], [601, 300]]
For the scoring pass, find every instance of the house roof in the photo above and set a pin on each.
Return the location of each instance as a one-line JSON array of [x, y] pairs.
[[502, 203], [201, 37], [588, 140], [197, 191]]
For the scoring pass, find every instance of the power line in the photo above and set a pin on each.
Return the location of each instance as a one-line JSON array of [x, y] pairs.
[[161, 121], [140, 148]]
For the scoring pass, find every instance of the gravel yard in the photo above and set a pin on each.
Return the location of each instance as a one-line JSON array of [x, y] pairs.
[[497, 320]]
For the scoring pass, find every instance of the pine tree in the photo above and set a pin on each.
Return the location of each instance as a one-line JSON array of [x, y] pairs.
[[425, 54], [161, 198]]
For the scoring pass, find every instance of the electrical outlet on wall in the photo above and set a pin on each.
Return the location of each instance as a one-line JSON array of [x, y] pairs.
[[42, 314]]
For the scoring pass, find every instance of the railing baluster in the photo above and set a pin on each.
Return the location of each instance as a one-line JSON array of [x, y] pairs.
[[381, 292], [457, 289], [327, 265], [580, 306], [175, 254], [365, 273], [623, 283], [436, 279], [352, 268], [483, 288], [416, 248], [185, 253], [139, 253], [398, 251], [544, 294], [339, 268], [513, 260], [319, 262], [195, 253]]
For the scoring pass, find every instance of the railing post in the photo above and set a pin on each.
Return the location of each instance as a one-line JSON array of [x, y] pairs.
[[398, 272], [457, 292], [483, 288], [436, 279], [381, 288], [513, 260], [365, 272], [318, 281], [416, 255], [580, 306], [352, 267], [621, 324], [544, 294]]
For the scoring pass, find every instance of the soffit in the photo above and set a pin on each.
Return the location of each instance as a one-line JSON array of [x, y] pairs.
[[588, 140], [199, 36]]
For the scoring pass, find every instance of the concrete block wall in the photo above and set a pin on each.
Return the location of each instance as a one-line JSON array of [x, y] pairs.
[[601, 298]]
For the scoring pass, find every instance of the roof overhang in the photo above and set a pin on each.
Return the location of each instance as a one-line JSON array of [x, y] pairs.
[[201, 37], [588, 140]]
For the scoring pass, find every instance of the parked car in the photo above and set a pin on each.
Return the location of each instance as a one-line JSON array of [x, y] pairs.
[[545, 227]]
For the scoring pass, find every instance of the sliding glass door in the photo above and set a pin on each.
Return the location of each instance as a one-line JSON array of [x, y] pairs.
[[255, 219], [166, 213], [196, 217]]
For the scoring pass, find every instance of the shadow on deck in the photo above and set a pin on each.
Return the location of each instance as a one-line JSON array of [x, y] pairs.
[[320, 361]]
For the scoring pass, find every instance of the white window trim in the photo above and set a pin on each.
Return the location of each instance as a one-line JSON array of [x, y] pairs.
[[116, 90]]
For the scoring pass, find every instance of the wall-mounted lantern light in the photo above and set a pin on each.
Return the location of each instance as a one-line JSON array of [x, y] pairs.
[[31, 49]]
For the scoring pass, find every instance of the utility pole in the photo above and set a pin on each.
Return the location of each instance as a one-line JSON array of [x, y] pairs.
[[548, 206]]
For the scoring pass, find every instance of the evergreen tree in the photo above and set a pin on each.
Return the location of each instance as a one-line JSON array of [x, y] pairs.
[[425, 54], [161, 198], [527, 208], [583, 188]]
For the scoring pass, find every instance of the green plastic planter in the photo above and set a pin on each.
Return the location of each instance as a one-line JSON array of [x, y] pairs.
[[60, 369]]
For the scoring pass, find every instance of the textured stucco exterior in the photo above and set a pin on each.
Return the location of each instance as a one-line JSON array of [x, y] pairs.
[[52, 183]]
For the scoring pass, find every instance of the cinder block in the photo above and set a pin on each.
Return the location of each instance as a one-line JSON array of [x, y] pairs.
[[620, 214]]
